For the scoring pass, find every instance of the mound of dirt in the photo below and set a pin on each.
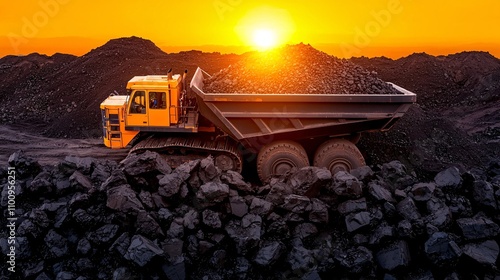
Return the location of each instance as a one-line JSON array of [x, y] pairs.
[[296, 69], [61, 94]]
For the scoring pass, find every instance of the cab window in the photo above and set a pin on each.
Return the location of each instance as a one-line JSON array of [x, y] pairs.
[[138, 105], [157, 100]]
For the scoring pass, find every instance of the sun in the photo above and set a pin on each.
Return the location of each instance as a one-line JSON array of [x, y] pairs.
[[264, 39]]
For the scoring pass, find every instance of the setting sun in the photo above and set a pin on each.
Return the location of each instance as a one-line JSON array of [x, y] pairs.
[[264, 39]]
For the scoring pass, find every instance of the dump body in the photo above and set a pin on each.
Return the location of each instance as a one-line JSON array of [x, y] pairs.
[[257, 119]]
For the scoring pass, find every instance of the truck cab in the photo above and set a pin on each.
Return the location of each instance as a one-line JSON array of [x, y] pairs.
[[155, 103]]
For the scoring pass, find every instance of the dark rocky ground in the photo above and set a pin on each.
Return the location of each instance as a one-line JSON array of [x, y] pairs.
[[432, 214], [95, 219]]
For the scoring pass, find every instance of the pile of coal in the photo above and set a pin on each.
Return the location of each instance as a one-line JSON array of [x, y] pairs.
[[140, 219], [298, 69]]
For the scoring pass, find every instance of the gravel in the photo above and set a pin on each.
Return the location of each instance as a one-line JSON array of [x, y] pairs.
[[296, 69]]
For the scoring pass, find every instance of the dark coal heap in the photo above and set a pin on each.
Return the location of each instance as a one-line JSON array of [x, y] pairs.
[[296, 69], [139, 219]]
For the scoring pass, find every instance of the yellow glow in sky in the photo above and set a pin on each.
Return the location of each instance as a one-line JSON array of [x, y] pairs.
[[342, 28]]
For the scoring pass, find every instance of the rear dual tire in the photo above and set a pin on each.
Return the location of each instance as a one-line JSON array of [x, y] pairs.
[[280, 157], [338, 155]]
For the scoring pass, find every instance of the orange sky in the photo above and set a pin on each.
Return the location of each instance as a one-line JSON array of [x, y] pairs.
[[392, 28]]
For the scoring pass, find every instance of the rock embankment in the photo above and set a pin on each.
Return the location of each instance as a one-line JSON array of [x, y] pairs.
[[141, 219]]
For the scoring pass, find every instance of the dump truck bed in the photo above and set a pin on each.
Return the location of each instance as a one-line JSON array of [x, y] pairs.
[[257, 119]]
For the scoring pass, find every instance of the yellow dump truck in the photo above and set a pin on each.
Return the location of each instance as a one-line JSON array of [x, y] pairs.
[[283, 130]]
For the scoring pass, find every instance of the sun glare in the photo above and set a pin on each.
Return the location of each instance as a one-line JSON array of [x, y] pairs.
[[264, 39], [265, 28]]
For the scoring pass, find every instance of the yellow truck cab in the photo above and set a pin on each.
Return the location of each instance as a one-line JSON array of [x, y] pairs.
[[154, 104]]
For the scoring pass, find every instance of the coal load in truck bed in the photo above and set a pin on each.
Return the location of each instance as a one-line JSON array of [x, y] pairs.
[[299, 69]]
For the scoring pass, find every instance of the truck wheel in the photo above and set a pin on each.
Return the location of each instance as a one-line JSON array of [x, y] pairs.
[[280, 157], [338, 155]]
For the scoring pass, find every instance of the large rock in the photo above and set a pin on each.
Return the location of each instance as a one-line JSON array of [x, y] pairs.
[[175, 271], [441, 249], [381, 233], [440, 214], [269, 252], [117, 178], [56, 244], [393, 171], [449, 178], [208, 172], [304, 230], [213, 192], [260, 206], [308, 181], [484, 195], [355, 260], [103, 235], [238, 206], [379, 192], [245, 233], [235, 181], [408, 210], [478, 228], [297, 204], [301, 259], [144, 164], [485, 253], [319, 212], [422, 191], [147, 226], [42, 184], [355, 221], [346, 185], [170, 184], [396, 255], [80, 182], [123, 199], [211, 219], [25, 166], [142, 250], [173, 249], [351, 206], [278, 191]]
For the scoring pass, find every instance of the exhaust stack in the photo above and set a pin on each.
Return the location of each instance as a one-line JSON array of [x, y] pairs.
[[169, 74]]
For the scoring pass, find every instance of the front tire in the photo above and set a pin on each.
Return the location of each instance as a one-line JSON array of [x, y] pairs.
[[338, 155], [280, 157]]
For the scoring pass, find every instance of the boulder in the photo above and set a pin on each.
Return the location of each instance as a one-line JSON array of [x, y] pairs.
[[440, 249], [238, 206], [173, 249], [42, 184], [143, 164], [146, 199], [176, 229], [408, 210], [355, 260], [213, 192], [147, 226], [56, 244], [304, 230], [245, 233], [346, 185], [260, 206], [84, 247], [355, 221], [394, 256], [449, 178], [191, 219], [308, 181], [208, 172], [176, 271], [25, 166], [235, 181], [485, 253], [440, 214], [103, 235], [121, 244], [478, 228], [319, 212], [301, 259], [170, 184], [393, 171], [117, 178], [297, 204], [351, 206], [381, 233], [269, 252], [484, 195], [422, 191], [379, 192], [211, 219], [363, 173], [278, 192], [122, 198], [142, 250]]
